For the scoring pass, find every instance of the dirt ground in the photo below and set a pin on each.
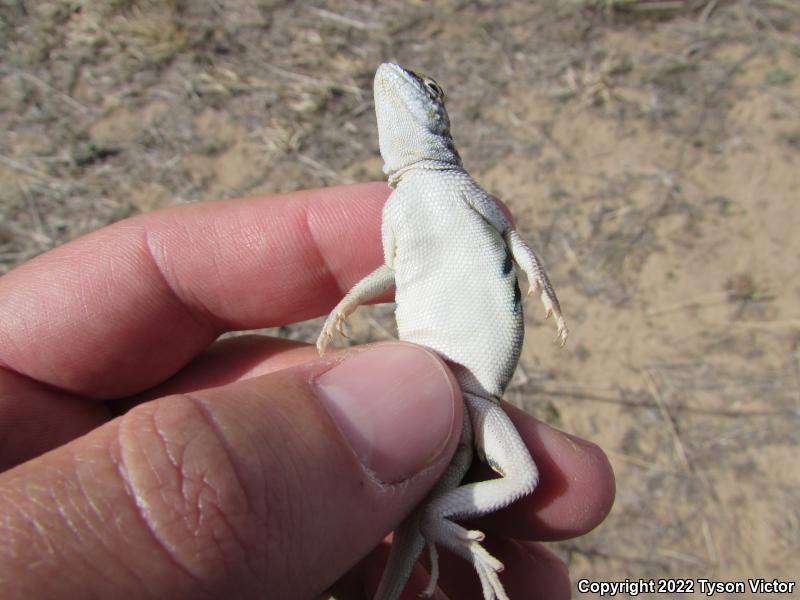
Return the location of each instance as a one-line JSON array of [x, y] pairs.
[[650, 151]]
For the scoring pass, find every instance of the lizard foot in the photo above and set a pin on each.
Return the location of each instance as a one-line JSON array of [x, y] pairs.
[[334, 323], [552, 308], [488, 567], [539, 283], [467, 544]]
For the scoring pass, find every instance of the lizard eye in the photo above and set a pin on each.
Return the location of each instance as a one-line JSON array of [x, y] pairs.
[[434, 88]]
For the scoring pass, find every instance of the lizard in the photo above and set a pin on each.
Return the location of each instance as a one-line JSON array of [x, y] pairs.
[[452, 255]]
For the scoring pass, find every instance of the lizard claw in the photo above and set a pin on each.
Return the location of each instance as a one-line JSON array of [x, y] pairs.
[[334, 324], [551, 307], [340, 327], [322, 342], [474, 535], [563, 332], [533, 287]]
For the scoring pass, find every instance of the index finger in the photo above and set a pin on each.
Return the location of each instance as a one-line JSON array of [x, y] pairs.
[[123, 308]]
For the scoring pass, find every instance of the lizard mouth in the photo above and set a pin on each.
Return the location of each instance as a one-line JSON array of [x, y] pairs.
[[411, 95], [389, 70], [392, 76]]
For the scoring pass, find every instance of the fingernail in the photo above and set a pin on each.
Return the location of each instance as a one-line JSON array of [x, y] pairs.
[[394, 403]]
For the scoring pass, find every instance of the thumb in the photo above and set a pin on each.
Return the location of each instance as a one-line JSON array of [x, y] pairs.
[[267, 487]]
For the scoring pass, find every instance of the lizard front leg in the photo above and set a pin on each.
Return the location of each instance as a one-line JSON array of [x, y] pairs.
[[525, 258], [538, 280], [380, 280]]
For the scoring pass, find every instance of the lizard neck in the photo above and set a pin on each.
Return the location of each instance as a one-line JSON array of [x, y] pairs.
[[396, 175], [407, 144]]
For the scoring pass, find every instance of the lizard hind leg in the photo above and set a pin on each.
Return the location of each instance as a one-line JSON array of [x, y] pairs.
[[409, 542], [497, 439]]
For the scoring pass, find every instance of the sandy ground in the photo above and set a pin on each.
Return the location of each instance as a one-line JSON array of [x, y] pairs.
[[649, 151]]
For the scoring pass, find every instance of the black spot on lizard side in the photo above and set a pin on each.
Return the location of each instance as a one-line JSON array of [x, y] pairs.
[[507, 262]]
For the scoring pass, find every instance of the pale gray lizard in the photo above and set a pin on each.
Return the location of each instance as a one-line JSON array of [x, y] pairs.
[[452, 256]]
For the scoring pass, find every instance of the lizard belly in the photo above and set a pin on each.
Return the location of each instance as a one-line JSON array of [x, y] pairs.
[[457, 294]]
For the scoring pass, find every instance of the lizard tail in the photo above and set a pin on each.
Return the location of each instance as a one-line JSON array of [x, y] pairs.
[[408, 539], [407, 545]]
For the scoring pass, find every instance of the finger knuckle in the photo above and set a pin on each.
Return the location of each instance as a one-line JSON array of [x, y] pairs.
[[188, 488]]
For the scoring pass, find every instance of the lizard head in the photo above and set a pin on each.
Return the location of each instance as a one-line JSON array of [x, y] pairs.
[[412, 120]]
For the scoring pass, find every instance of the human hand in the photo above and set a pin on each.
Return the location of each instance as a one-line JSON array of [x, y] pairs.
[[246, 467]]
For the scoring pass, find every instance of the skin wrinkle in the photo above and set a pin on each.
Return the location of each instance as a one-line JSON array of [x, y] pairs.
[[93, 510], [60, 510], [310, 230], [141, 510], [282, 513], [204, 411], [190, 510], [84, 284], [218, 275], [229, 575], [99, 572], [10, 531], [209, 321], [126, 486], [31, 518], [26, 517], [140, 578], [163, 484], [195, 304], [274, 550], [164, 262], [43, 535], [114, 270], [271, 510]]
